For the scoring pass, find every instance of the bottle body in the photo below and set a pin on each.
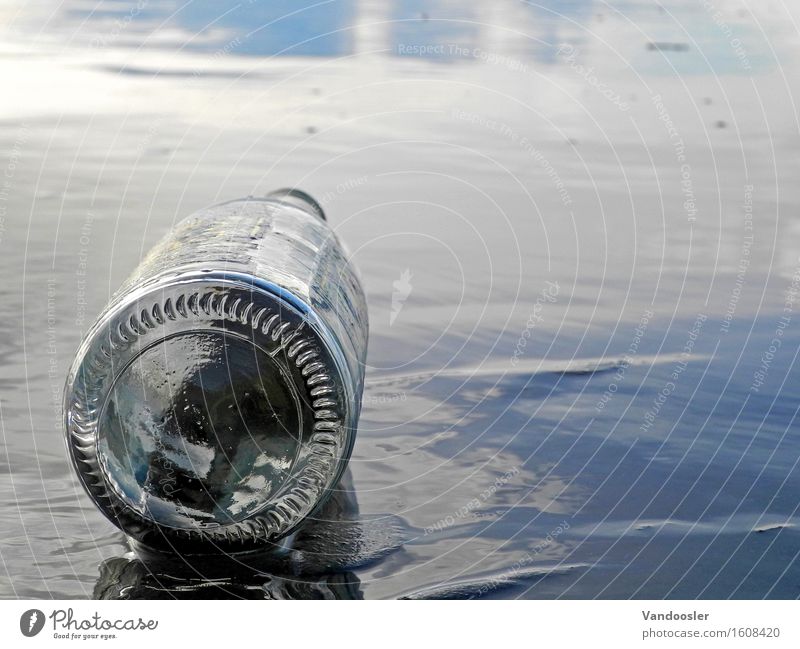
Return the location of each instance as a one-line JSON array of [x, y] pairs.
[[214, 404]]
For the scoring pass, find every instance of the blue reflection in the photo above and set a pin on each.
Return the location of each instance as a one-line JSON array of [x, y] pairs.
[[702, 44], [554, 24], [432, 30], [277, 27]]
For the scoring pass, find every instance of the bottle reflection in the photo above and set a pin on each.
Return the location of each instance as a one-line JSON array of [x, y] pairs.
[[317, 562], [132, 578]]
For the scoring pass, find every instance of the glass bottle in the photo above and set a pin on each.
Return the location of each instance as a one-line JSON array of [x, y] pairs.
[[214, 404]]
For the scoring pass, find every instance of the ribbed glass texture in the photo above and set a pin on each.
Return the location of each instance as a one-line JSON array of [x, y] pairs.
[[215, 401]]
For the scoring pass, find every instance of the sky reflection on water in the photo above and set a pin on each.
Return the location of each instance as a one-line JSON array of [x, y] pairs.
[[641, 160]]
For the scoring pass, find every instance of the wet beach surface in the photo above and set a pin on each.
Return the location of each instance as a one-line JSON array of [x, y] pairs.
[[577, 225]]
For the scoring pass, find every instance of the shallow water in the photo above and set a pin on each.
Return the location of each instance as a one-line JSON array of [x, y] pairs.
[[582, 282]]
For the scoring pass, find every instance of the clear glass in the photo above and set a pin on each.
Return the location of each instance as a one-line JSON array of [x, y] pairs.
[[214, 403]]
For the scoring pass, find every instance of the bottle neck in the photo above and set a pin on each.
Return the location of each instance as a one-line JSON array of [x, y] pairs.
[[300, 199]]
